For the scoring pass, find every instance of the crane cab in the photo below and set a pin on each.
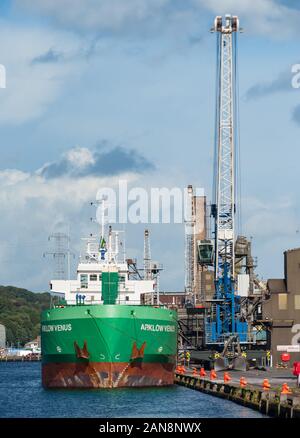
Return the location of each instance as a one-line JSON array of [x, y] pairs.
[[205, 252]]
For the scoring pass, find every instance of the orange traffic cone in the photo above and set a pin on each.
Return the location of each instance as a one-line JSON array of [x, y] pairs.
[[266, 385], [243, 382], [227, 377], [213, 375], [286, 389], [202, 372]]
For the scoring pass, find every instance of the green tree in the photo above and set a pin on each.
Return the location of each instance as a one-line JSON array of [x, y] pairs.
[[20, 312]]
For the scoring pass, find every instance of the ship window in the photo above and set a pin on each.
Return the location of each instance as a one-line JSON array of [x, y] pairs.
[[84, 281], [282, 301], [100, 277], [127, 298], [122, 278], [93, 277]]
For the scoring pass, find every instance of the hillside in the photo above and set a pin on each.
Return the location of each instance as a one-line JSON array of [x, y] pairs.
[[20, 313]]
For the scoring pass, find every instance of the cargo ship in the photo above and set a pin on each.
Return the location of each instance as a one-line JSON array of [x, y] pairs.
[[99, 334]]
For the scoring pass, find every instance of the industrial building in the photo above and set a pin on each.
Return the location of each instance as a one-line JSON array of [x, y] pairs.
[[281, 309], [198, 280]]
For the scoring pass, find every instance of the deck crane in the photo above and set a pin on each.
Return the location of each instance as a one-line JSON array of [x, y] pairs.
[[223, 325]]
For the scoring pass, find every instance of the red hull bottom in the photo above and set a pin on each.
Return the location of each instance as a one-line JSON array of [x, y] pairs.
[[106, 375]]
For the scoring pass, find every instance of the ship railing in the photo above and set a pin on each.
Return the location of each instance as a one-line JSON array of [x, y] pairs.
[[98, 302], [245, 338]]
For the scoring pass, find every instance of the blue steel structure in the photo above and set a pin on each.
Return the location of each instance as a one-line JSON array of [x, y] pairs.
[[223, 320]]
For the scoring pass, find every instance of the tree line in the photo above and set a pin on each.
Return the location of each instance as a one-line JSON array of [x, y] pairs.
[[20, 312]]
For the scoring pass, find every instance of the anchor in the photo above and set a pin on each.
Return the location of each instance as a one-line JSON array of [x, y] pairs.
[[81, 353], [137, 353]]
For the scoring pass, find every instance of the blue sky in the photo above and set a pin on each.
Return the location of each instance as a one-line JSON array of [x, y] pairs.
[[136, 78]]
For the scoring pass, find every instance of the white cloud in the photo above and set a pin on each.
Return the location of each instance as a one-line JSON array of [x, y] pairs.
[[262, 16], [97, 14], [80, 157], [33, 204], [31, 87], [33, 187], [267, 220], [31, 208], [10, 177], [79, 162]]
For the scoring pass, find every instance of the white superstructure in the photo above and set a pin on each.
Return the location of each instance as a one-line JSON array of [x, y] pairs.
[[101, 255]]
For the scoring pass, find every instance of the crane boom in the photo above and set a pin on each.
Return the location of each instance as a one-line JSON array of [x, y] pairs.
[[225, 202], [224, 319]]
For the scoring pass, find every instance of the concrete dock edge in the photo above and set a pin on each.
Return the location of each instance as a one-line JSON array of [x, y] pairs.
[[270, 403]]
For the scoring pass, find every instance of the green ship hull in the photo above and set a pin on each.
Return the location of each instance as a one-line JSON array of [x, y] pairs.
[[108, 346]]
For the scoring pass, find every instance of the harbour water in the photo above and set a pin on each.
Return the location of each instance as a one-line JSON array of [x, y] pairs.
[[23, 396]]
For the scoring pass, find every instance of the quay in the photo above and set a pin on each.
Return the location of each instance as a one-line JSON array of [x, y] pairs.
[[29, 358], [271, 402]]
